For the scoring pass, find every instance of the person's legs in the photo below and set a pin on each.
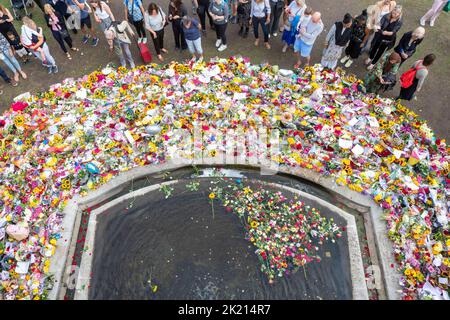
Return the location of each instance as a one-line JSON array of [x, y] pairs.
[[4, 76], [68, 40], [276, 15], [156, 43], [8, 62], [127, 53], [439, 6], [60, 41], [160, 35], [265, 30], [48, 56], [119, 52], [201, 11], [272, 15], [191, 48], [198, 46], [381, 49], [141, 32], [176, 35], [223, 35], [374, 49], [183, 39], [434, 11], [255, 23]]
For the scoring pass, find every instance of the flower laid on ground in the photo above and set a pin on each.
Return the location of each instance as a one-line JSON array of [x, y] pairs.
[[87, 131], [286, 233]]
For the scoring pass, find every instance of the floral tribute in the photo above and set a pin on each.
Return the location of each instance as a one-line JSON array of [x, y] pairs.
[[287, 233], [80, 133]]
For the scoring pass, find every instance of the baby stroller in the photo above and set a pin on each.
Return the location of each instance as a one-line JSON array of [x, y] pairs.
[[18, 5]]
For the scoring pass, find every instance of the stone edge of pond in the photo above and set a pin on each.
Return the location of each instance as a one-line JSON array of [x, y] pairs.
[[60, 264]]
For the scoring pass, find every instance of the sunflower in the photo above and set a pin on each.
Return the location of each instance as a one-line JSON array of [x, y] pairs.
[[19, 121]]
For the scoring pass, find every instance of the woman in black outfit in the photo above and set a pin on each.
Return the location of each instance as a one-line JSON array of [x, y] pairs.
[[6, 25], [358, 40], [176, 12], [385, 36], [55, 22], [409, 42], [202, 11]]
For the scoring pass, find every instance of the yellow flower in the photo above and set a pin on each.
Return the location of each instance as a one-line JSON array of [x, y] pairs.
[[254, 224], [212, 195]]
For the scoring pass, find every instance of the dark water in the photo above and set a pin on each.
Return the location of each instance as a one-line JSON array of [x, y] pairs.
[[176, 244]]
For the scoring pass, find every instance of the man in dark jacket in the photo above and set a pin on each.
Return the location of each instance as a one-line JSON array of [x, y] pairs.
[[409, 42]]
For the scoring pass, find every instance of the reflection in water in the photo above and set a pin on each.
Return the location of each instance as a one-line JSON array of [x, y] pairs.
[[177, 245]]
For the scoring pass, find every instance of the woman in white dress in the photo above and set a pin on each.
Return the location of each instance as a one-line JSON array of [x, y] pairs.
[[337, 39]]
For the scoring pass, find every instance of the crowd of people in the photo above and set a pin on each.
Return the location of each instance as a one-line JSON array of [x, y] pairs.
[[374, 32]]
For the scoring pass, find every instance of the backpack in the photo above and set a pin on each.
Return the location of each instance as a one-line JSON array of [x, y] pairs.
[[407, 78]]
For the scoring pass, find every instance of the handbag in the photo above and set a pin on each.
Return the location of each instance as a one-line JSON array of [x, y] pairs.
[[447, 7], [166, 23]]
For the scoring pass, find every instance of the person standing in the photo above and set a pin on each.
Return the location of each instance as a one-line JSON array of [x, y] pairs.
[[7, 79], [61, 7], [295, 9], [408, 43], [276, 9], [82, 8], [337, 39], [58, 28], [7, 56], [385, 36], [119, 41], [260, 13], [177, 11], [6, 20], [102, 14], [192, 29], [202, 11], [32, 38], [243, 12], [374, 14], [18, 47], [218, 10], [383, 76], [307, 36], [433, 13], [134, 13], [358, 39], [155, 21], [413, 79]]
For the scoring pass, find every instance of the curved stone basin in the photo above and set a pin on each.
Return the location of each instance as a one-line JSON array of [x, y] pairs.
[[178, 245]]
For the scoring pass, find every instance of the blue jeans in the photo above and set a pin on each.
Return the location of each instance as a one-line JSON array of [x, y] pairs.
[[195, 46], [260, 21], [10, 61], [4, 76]]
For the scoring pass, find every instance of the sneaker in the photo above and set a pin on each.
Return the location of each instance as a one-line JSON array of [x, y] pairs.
[[85, 39], [222, 47], [284, 49], [50, 70], [144, 40], [95, 42], [368, 60], [13, 83], [275, 34], [55, 69], [344, 59], [218, 43], [431, 23], [422, 22], [370, 67], [349, 63]]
